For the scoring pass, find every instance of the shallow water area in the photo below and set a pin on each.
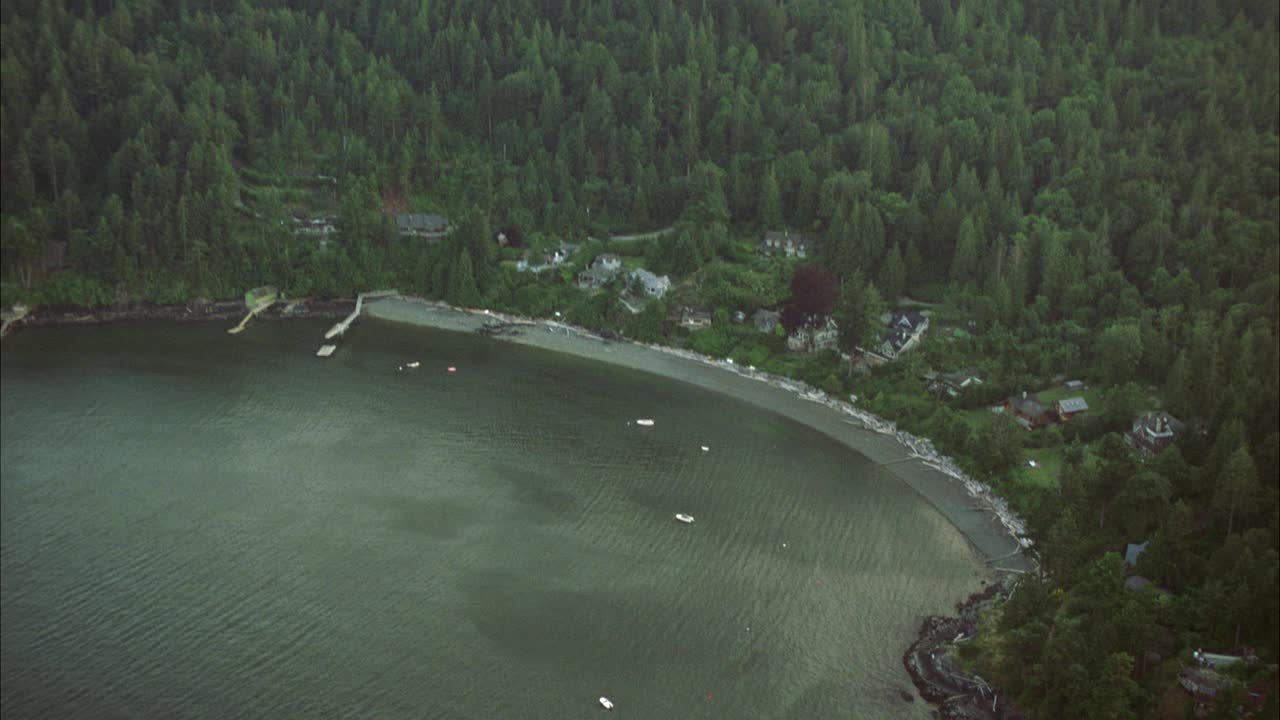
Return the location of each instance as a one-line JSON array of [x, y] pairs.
[[194, 523]]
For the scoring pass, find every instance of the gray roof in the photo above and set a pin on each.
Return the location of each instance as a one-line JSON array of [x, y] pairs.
[[1073, 405], [1137, 583], [1028, 405], [596, 276], [408, 221]]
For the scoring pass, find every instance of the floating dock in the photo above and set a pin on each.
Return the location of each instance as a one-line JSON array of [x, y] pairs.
[[326, 350]]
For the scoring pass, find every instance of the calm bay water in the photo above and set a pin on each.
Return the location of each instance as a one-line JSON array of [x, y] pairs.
[[194, 525]]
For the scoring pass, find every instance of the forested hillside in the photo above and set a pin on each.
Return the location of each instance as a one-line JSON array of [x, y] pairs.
[[1096, 185]]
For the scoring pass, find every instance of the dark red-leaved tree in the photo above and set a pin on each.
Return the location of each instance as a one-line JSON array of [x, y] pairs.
[[814, 294]]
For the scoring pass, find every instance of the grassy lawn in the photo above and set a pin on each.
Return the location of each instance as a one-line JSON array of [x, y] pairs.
[[1048, 463]]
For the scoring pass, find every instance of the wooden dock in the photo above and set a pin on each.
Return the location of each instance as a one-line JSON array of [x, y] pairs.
[[245, 322]]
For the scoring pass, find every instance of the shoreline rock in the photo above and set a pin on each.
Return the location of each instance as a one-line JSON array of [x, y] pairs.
[[939, 681], [231, 310]]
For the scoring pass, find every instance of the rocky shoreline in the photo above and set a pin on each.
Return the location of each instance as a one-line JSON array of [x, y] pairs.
[[231, 310], [940, 682]]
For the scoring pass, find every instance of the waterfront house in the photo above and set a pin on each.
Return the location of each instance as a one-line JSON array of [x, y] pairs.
[[814, 336], [785, 243], [424, 226], [695, 318], [1068, 408], [654, 286], [1073, 385], [1027, 410], [1154, 431], [766, 320], [905, 332]]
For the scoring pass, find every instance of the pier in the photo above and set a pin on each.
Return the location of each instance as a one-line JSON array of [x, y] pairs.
[[9, 317], [342, 327], [245, 322]]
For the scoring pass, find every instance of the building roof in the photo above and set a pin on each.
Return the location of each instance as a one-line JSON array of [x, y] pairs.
[[1159, 422], [411, 221], [962, 378], [1072, 405], [1137, 583], [695, 314], [784, 235], [909, 321], [596, 275], [648, 278], [607, 258], [1133, 551], [1027, 405]]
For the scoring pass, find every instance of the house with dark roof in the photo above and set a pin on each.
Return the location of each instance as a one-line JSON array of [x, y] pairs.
[[1154, 431], [1068, 408], [905, 331], [785, 243], [1028, 411]]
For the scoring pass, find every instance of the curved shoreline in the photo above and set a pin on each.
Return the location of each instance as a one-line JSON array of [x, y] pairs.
[[984, 519]]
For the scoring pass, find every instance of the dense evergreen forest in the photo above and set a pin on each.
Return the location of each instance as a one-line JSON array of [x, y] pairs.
[[1094, 185]]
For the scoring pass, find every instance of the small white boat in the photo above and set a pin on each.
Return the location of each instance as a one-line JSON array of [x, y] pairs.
[[606, 703], [706, 449], [645, 422], [413, 364], [684, 518]]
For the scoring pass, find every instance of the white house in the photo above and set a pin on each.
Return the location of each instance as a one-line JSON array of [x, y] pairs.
[[655, 286], [786, 243], [814, 336]]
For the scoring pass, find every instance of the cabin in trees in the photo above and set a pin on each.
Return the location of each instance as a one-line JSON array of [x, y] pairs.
[[1154, 431], [1027, 410], [785, 243], [424, 226], [815, 335]]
